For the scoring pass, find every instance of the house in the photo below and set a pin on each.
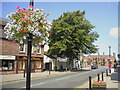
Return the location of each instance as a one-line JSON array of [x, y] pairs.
[[81, 62], [13, 56], [51, 64], [101, 60]]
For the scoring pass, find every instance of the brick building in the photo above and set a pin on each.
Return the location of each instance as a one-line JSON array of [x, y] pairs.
[[13, 56], [101, 60]]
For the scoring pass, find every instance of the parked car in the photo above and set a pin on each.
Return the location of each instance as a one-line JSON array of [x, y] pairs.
[[94, 66]]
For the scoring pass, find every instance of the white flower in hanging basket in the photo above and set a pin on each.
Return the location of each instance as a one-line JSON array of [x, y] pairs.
[[25, 21]]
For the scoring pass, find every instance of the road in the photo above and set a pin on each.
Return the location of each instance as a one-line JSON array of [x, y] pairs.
[[70, 80]]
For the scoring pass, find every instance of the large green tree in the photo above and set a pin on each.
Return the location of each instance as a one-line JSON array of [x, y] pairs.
[[70, 33]]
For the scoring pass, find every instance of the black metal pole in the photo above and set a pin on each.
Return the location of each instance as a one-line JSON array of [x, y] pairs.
[[109, 50], [49, 67], [106, 72], [102, 77], [98, 77], [24, 74], [110, 59], [31, 2], [28, 76], [109, 70], [90, 83]]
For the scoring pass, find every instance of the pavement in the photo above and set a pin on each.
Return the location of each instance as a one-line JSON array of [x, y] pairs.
[[17, 77], [112, 81]]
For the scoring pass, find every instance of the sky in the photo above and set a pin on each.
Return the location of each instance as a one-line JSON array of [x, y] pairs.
[[103, 15]]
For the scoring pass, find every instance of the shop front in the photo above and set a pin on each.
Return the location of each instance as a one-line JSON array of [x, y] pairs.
[[7, 64], [36, 64]]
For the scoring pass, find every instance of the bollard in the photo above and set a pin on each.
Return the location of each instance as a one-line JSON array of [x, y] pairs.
[[102, 77], [98, 77], [90, 83], [106, 72], [110, 70], [24, 74]]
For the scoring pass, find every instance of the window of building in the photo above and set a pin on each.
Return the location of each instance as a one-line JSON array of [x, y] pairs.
[[38, 64], [38, 50], [32, 49], [7, 65], [21, 65], [22, 47]]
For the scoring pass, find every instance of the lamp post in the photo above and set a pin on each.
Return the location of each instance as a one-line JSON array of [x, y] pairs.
[[28, 76]]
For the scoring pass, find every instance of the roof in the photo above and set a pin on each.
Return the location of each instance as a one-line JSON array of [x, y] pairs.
[[3, 22], [100, 56]]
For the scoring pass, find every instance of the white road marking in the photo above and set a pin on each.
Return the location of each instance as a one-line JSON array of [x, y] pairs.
[[63, 78]]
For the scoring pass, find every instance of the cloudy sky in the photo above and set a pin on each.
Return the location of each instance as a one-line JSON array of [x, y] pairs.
[[103, 15]]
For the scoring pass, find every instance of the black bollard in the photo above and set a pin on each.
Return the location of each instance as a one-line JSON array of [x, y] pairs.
[[106, 72], [24, 74], [90, 83], [98, 77], [110, 70], [102, 77]]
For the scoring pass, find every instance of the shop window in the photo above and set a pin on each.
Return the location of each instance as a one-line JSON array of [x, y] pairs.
[[22, 47], [8, 65], [38, 64], [21, 65], [32, 64]]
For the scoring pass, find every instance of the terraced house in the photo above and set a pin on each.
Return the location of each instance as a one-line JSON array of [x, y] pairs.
[[101, 60]]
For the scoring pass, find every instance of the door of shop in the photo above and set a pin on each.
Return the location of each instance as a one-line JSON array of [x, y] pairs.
[[48, 66]]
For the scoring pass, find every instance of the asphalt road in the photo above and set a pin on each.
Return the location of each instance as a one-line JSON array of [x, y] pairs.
[[70, 80]]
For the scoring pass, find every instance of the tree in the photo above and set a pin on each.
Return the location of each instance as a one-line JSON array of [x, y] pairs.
[[70, 33]]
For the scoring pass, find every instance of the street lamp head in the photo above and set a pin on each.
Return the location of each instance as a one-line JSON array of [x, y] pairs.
[[31, 2]]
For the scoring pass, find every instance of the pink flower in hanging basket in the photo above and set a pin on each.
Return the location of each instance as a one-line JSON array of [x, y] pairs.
[[24, 19], [17, 7], [31, 7], [21, 10], [27, 14]]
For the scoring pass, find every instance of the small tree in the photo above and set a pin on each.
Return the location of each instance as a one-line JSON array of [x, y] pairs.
[[70, 33]]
